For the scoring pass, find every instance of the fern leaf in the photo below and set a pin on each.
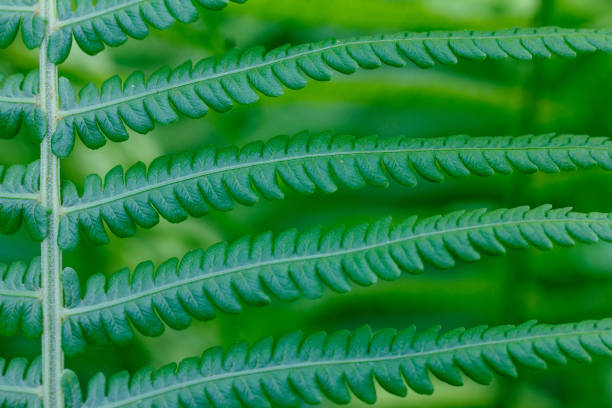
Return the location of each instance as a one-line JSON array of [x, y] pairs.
[[236, 77], [20, 305], [24, 13], [20, 383], [19, 202], [190, 184], [296, 369], [292, 265], [18, 106], [110, 22]]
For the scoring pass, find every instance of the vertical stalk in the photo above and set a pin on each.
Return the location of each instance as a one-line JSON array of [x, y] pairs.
[[51, 256]]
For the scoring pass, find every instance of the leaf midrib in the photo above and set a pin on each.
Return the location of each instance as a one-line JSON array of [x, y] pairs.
[[339, 44], [71, 312], [101, 13], [18, 100], [66, 210], [19, 196], [16, 9], [35, 391], [30, 294], [354, 361], [96, 14]]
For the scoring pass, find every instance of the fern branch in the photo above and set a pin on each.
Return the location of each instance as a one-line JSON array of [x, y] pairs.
[[10, 8], [292, 265], [15, 13], [110, 22], [19, 201], [19, 106], [20, 305], [20, 383], [296, 369], [219, 82], [190, 184]]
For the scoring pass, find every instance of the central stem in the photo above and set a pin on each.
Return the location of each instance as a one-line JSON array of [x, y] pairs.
[[51, 256]]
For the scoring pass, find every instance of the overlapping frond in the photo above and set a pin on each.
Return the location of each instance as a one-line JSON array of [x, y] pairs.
[[95, 24], [217, 83], [190, 184], [20, 383], [297, 369], [19, 202], [294, 265], [24, 13], [19, 106], [20, 304]]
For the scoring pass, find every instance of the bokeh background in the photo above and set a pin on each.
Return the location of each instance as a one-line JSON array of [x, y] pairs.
[[491, 98]]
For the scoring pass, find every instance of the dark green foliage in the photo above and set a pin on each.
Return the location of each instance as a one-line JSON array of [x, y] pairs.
[[20, 305], [218, 83], [294, 265], [296, 369], [15, 13], [192, 183], [18, 106], [20, 383], [19, 201], [276, 268], [111, 22]]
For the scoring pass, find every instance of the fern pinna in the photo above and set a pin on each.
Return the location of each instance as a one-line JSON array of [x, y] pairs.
[[45, 299]]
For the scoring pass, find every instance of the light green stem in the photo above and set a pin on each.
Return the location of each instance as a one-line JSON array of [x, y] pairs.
[[51, 256]]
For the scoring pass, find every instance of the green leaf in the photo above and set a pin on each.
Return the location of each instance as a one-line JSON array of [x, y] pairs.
[[110, 22], [19, 201], [20, 383], [193, 183], [217, 83], [19, 106], [293, 265], [297, 370], [15, 13], [20, 305]]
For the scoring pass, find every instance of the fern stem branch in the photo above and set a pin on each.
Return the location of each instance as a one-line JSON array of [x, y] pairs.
[[51, 257], [209, 172], [313, 50], [214, 274], [369, 360], [19, 196], [97, 14], [15, 100], [20, 294], [5, 389], [17, 9]]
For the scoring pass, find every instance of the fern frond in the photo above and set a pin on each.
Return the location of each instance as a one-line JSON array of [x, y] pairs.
[[20, 305], [292, 265], [297, 369], [236, 77], [190, 184], [24, 13], [19, 105], [111, 22], [20, 383], [19, 201]]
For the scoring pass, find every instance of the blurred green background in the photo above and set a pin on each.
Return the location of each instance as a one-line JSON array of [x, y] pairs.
[[491, 98]]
